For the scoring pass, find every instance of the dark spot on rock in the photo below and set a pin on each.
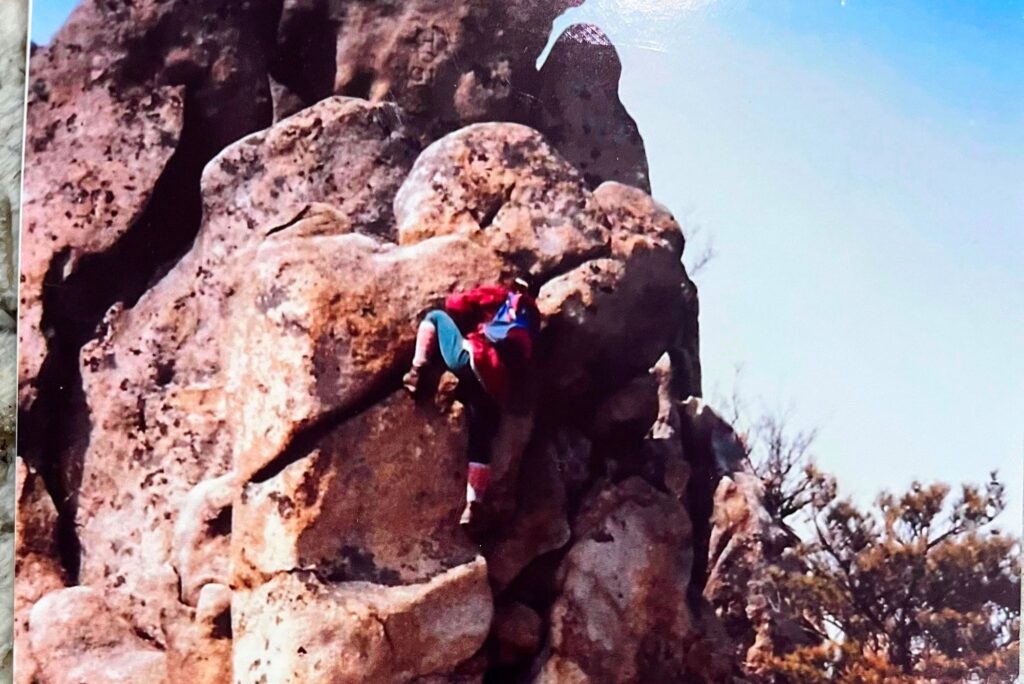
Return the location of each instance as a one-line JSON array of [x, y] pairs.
[[222, 625], [164, 372], [285, 506], [328, 357], [357, 565], [269, 299], [220, 526]]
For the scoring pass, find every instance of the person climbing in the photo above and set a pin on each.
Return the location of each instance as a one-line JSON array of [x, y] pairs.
[[484, 336]]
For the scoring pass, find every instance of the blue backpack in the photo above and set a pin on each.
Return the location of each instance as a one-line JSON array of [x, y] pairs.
[[509, 317]]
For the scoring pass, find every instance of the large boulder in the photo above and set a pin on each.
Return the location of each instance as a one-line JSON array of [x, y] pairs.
[[611, 318], [623, 613], [342, 342], [503, 186], [244, 492], [84, 641], [454, 63], [580, 112], [362, 502], [297, 629], [154, 382], [127, 103], [447, 64]]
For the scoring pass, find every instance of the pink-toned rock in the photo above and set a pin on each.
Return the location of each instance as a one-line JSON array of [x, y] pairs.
[[257, 500], [450, 64], [90, 171], [38, 567], [447, 64], [747, 556], [153, 381], [342, 343], [362, 502], [106, 112], [537, 522], [580, 111], [296, 629], [512, 193], [201, 545], [637, 220], [199, 650], [598, 321], [83, 641], [121, 46], [641, 222], [623, 614], [600, 312]]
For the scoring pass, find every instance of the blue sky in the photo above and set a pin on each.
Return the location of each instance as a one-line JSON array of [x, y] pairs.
[[859, 168]]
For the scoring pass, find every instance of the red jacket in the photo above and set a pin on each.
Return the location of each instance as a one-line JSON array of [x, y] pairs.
[[472, 311]]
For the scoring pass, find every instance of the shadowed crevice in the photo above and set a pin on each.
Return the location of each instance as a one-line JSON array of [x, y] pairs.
[[307, 436], [54, 435]]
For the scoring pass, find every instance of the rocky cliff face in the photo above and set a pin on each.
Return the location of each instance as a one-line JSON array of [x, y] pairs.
[[226, 254]]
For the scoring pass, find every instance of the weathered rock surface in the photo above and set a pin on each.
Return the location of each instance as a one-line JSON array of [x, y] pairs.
[[446, 64], [512, 193], [623, 614], [244, 493], [83, 641], [748, 556], [297, 629], [126, 105], [400, 529], [450, 64], [38, 565], [154, 381], [517, 632], [538, 522], [580, 111]]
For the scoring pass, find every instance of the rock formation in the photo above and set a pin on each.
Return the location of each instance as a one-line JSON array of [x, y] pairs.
[[226, 254], [749, 558]]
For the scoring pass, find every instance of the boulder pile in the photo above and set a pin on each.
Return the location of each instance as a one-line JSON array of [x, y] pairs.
[[226, 255]]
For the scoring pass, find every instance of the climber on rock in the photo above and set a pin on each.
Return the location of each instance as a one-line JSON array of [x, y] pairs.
[[485, 337]]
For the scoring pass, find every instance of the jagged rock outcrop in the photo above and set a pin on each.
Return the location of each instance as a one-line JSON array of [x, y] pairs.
[[623, 614], [237, 488], [580, 111], [750, 555], [132, 100]]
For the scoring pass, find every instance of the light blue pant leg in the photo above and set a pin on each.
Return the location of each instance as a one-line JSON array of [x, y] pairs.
[[449, 341]]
